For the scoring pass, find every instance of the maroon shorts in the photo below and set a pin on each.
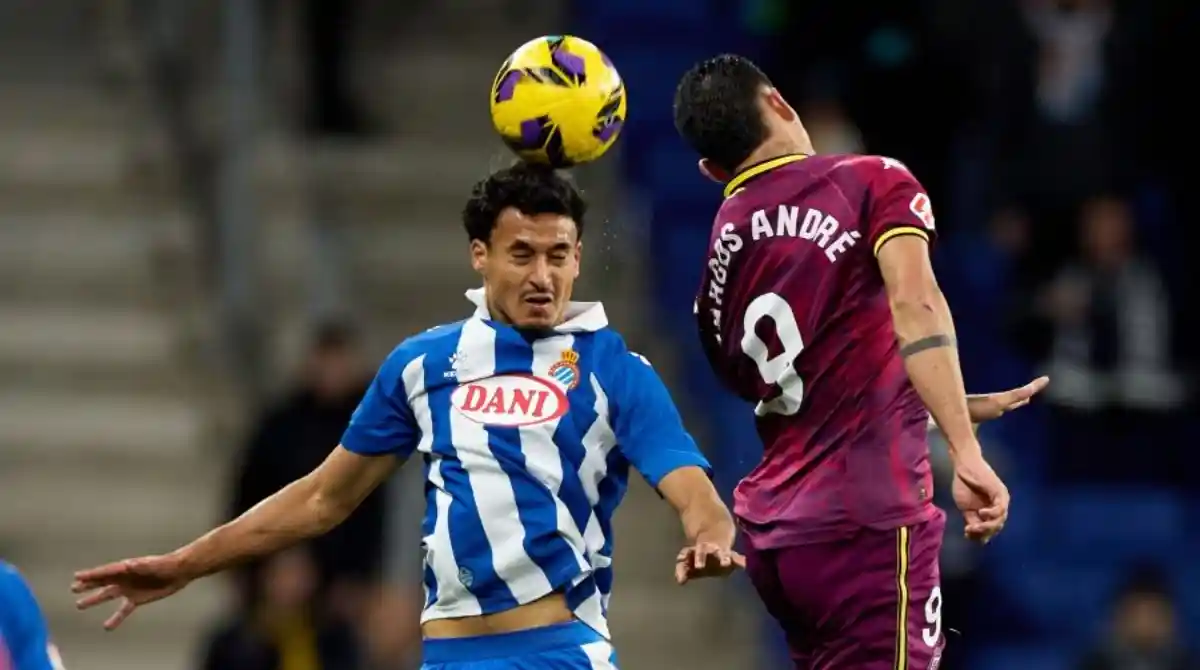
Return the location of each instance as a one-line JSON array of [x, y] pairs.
[[869, 602]]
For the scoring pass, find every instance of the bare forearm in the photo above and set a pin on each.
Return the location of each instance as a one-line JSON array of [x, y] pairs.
[[708, 520], [704, 517], [925, 331], [291, 515]]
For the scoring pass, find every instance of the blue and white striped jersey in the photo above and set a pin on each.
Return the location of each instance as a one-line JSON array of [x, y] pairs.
[[527, 442], [24, 639]]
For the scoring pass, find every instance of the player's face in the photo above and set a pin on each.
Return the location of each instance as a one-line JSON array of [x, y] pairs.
[[529, 267]]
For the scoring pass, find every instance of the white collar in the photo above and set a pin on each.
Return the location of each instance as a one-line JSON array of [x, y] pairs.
[[581, 317]]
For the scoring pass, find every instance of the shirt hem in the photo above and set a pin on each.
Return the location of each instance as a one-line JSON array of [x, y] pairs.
[[779, 535]]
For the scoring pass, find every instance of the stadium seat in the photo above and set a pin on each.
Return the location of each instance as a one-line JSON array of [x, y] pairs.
[[1114, 526], [1023, 657], [1059, 598], [671, 170], [1187, 593], [1021, 532], [633, 12], [651, 72]]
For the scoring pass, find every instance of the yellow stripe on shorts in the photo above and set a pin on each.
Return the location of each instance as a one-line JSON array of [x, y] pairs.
[[902, 591]]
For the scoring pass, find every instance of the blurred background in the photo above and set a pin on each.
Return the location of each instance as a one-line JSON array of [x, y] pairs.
[[218, 217]]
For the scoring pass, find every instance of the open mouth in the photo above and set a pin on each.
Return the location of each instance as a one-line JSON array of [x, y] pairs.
[[538, 300]]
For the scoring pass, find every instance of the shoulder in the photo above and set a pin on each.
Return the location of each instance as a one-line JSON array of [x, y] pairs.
[[614, 358], [12, 584], [433, 339], [410, 357], [16, 597], [436, 340], [611, 348], [879, 172]]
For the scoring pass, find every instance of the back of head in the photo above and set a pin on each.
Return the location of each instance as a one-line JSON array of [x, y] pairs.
[[717, 109], [530, 189]]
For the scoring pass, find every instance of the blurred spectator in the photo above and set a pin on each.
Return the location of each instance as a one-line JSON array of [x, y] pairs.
[[283, 629], [1107, 322], [332, 107], [1063, 93], [1143, 634], [830, 129], [392, 630], [295, 436], [894, 74]]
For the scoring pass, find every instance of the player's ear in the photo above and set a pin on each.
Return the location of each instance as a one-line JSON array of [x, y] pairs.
[[479, 252], [578, 257], [713, 172], [779, 106]]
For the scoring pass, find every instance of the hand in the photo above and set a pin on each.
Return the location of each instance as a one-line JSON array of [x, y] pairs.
[[981, 497], [991, 406], [706, 559], [136, 581]]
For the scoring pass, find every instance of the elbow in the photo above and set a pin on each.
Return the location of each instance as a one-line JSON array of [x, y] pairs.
[[918, 313], [325, 510], [915, 304]]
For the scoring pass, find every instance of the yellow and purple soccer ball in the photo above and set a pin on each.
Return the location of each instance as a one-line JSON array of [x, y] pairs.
[[558, 100]]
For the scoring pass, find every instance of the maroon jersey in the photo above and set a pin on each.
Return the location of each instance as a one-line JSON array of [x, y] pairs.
[[794, 316]]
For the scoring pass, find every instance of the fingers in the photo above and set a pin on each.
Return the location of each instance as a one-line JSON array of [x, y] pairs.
[[984, 524], [97, 597], [127, 607], [681, 566], [1018, 398], [984, 531], [707, 551], [1007, 401], [1035, 387], [706, 559], [100, 574], [681, 573]]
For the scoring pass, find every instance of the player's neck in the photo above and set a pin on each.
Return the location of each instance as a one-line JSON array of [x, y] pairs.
[[772, 149]]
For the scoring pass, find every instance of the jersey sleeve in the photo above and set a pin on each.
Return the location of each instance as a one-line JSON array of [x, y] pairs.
[[384, 423], [898, 204], [646, 423], [23, 628]]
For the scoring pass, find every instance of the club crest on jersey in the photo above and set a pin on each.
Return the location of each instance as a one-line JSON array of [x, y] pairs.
[[510, 401], [922, 209], [566, 371]]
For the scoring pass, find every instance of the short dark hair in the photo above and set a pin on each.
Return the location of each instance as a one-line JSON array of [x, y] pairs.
[[717, 112], [1144, 580], [334, 335], [531, 189]]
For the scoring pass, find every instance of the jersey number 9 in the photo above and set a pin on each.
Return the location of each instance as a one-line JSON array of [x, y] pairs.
[[779, 369]]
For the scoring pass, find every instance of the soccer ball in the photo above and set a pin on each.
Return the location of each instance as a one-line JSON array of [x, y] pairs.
[[558, 100]]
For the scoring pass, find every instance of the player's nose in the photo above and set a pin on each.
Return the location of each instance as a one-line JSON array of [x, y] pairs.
[[540, 275]]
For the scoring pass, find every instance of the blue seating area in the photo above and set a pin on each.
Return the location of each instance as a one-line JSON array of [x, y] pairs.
[[1051, 576]]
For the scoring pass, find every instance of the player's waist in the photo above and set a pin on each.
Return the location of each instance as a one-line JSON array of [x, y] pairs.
[[570, 635], [548, 610], [815, 525]]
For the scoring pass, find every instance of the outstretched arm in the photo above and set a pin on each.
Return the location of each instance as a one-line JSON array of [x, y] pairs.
[[305, 508], [310, 506], [707, 524], [704, 516], [926, 334], [382, 433], [651, 435], [985, 407]]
